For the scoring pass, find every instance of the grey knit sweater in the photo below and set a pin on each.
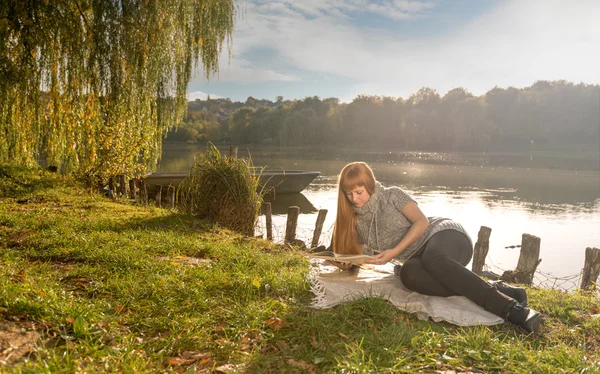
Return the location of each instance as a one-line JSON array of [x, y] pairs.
[[381, 225]]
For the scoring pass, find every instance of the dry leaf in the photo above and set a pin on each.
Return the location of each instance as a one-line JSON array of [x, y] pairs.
[[20, 276], [302, 366], [188, 358], [343, 336], [195, 355], [227, 368], [18, 238], [274, 323], [178, 361], [283, 345], [70, 320]]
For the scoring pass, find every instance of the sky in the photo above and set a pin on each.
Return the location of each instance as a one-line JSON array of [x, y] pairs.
[[345, 48]]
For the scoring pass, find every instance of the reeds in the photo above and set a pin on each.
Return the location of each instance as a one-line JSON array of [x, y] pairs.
[[223, 190]]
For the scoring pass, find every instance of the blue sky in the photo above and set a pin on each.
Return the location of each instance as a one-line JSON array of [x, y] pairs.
[[343, 48]]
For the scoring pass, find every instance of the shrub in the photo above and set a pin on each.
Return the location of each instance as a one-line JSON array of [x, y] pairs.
[[223, 190]]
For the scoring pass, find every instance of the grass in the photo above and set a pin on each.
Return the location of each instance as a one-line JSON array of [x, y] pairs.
[[223, 190], [91, 285]]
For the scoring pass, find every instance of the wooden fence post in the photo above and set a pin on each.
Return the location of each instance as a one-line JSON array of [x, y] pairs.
[[233, 152], [591, 268], [318, 227], [269, 221], [481, 249], [122, 185], [158, 198], [528, 261], [171, 194], [144, 192], [132, 189], [292, 223]]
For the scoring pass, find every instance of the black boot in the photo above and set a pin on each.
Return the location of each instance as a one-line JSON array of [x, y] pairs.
[[523, 316], [516, 293], [397, 269]]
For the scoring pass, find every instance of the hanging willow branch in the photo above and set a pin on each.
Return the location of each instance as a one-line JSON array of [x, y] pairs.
[[92, 86]]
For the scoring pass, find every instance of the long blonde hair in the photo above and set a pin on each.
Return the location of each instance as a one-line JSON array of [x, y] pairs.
[[353, 175]]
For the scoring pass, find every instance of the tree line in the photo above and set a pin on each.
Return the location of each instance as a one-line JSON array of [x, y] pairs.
[[548, 115]]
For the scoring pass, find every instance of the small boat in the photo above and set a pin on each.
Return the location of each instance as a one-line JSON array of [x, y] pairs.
[[282, 182], [287, 181]]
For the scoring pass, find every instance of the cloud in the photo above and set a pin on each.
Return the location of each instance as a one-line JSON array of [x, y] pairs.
[[239, 69], [201, 95], [400, 10], [515, 43]]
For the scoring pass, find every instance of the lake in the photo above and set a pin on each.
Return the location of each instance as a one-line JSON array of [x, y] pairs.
[[553, 196]]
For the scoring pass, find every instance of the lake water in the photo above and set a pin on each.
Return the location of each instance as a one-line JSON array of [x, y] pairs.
[[556, 198]]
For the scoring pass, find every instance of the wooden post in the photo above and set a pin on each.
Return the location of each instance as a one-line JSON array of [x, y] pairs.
[[269, 221], [233, 152], [318, 227], [481, 249], [122, 185], [144, 192], [528, 261], [171, 193], [132, 189], [591, 268], [158, 198], [292, 223]]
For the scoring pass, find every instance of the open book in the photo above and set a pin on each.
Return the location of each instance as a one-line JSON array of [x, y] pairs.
[[358, 259]]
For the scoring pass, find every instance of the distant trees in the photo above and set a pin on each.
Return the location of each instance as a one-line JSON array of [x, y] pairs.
[[93, 86], [547, 115]]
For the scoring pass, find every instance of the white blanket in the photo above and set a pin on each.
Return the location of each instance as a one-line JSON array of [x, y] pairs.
[[332, 286]]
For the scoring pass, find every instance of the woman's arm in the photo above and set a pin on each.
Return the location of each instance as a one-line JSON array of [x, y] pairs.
[[418, 227]]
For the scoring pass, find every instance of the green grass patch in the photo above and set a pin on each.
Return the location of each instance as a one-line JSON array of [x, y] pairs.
[[93, 285]]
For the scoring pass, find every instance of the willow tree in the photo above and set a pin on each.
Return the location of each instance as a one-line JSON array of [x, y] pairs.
[[92, 86]]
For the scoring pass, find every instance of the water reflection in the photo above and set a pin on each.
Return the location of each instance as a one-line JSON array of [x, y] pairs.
[[281, 202]]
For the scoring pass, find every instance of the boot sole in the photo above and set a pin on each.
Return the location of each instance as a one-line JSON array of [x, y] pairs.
[[533, 324]]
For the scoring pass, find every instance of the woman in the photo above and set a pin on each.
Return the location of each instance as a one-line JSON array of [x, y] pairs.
[[387, 223]]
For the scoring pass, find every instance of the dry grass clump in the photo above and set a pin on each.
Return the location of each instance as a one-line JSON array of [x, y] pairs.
[[223, 190]]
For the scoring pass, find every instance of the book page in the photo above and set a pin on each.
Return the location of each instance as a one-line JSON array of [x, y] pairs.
[[358, 259]]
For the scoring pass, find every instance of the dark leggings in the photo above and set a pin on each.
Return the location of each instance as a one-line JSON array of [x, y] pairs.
[[439, 270]]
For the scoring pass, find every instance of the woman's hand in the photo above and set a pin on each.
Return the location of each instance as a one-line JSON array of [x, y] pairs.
[[341, 265], [382, 258]]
